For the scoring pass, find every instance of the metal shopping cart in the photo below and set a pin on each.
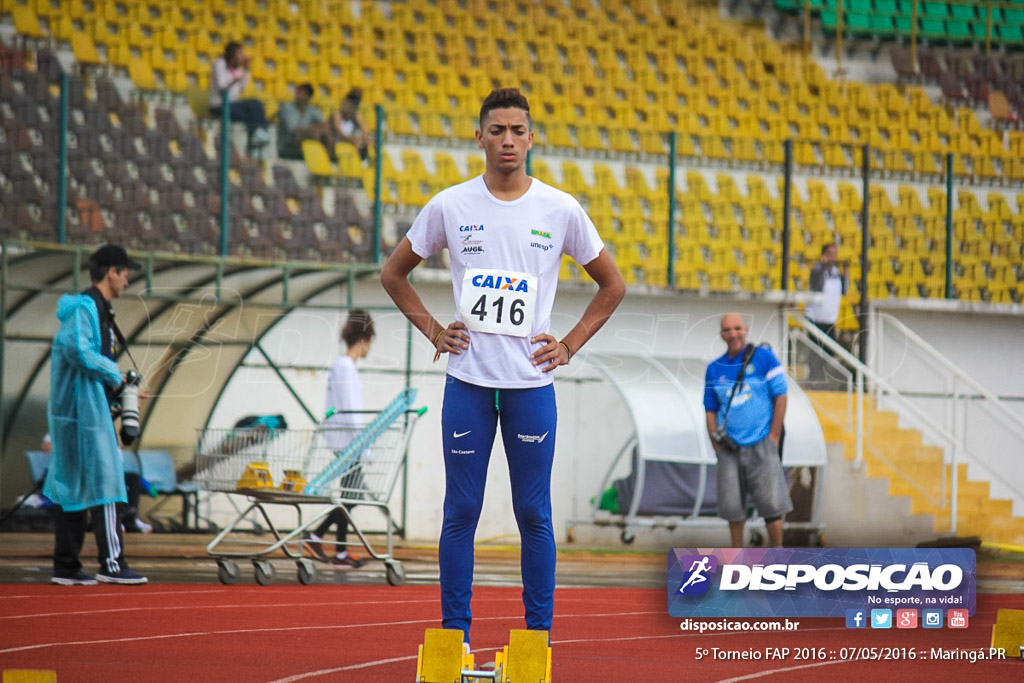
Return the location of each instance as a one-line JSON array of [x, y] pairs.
[[336, 467]]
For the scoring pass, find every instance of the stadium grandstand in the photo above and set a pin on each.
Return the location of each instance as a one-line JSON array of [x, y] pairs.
[[718, 146], [916, 172]]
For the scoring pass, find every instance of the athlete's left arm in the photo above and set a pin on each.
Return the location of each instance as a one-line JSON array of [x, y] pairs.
[[611, 288]]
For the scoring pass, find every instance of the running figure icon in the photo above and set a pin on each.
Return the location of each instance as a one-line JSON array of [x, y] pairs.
[[696, 570]]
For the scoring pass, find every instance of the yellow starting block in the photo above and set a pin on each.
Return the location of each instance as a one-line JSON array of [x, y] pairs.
[[443, 659], [526, 658], [256, 476], [1008, 632], [293, 481]]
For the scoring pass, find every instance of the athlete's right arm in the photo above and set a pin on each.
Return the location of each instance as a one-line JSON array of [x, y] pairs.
[[395, 279]]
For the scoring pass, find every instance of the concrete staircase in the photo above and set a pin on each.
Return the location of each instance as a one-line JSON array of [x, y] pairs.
[[914, 471]]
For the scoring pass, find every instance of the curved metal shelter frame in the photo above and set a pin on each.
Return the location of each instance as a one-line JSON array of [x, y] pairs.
[[190, 322], [665, 400]]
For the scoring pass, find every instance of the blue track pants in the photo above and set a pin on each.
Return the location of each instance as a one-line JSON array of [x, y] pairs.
[[469, 421]]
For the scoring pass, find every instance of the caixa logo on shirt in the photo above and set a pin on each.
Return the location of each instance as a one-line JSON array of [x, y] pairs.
[[512, 284], [471, 228]]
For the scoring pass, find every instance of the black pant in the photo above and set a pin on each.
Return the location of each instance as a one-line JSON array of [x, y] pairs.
[[352, 483], [336, 517], [70, 535], [250, 112], [816, 365]]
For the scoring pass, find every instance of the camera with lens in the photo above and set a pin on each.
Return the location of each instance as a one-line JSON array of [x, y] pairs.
[[724, 440], [129, 400]]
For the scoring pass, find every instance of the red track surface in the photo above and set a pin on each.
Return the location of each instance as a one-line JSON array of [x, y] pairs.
[[368, 633]]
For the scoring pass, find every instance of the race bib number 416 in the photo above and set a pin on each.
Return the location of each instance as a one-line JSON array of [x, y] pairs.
[[498, 302]]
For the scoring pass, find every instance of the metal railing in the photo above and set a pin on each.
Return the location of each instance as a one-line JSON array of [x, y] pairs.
[[867, 381]]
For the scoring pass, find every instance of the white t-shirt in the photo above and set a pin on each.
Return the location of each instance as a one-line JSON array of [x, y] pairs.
[[523, 237], [223, 78], [344, 392], [826, 311]]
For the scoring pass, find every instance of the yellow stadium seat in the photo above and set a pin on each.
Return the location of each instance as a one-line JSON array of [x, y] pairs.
[[317, 160], [84, 49], [26, 23]]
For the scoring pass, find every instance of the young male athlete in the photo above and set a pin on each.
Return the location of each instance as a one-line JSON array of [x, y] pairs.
[[506, 233]]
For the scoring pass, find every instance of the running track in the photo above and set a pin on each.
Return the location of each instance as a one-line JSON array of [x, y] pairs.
[[370, 633]]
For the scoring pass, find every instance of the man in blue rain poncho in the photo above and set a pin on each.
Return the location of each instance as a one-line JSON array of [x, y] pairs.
[[86, 471]]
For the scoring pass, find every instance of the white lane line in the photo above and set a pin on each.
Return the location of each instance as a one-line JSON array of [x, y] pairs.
[[193, 634], [351, 667], [196, 634], [772, 672], [262, 605], [65, 593]]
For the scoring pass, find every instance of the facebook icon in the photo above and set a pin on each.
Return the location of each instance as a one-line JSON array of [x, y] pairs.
[[856, 618]]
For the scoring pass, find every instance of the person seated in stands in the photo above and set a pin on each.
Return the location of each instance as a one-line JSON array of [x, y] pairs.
[[300, 120], [231, 74], [348, 125]]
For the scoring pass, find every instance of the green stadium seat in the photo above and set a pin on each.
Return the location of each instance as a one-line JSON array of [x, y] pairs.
[[964, 12], [933, 10], [1010, 34], [881, 24], [907, 7], [933, 28], [958, 31], [903, 24], [858, 23], [863, 6], [788, 5], [1012, 16], [886, 7], [978, 30], [828, 21]]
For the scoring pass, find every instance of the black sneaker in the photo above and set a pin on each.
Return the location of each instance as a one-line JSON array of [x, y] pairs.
[[79, 579], [316, 548], [349, 560], [125, 577]]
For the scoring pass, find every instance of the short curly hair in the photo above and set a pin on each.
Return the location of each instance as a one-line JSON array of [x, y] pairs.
[[504, 98]]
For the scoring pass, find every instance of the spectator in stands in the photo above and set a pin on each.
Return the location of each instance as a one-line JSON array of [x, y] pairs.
[[830, 277], [345, 396], [300, 120], [348, 125], [745, 402], [86, 471], [231, 74]]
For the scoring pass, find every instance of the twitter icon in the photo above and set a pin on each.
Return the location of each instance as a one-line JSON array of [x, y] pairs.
[[881, 618]]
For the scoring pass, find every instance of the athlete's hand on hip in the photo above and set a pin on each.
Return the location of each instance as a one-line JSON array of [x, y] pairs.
[[552, 353], [454, 339]]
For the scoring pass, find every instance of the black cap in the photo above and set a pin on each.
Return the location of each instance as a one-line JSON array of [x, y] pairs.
[[113, 255]]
